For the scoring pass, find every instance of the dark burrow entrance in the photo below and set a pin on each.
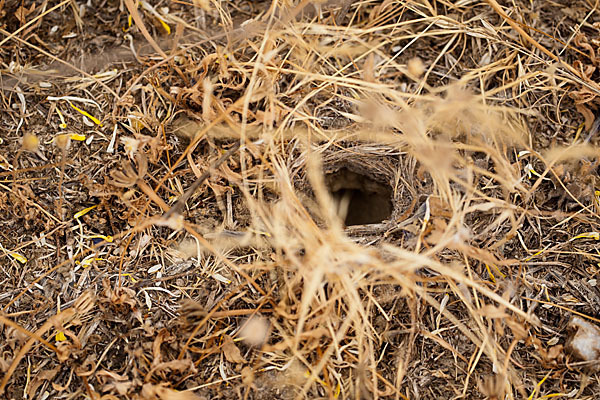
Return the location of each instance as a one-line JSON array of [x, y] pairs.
[[359, 199]]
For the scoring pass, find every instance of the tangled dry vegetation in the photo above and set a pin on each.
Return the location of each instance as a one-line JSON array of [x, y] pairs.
[[299, 199]]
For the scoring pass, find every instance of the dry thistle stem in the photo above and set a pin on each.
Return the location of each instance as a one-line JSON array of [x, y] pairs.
[[190, 191], [129, 177]]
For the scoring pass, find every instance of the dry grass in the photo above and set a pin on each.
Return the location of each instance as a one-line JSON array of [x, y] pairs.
[[172, 226]]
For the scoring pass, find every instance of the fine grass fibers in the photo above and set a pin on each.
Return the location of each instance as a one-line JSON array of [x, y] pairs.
[[294, 199]]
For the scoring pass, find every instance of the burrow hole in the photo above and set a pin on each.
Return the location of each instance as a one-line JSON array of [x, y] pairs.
[[358, 198]]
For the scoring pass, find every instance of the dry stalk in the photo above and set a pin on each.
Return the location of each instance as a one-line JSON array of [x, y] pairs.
[[82, 306], [129, 177]]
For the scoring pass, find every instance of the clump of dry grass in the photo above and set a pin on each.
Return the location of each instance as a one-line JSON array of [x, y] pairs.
[[249, 285], [333, 282]]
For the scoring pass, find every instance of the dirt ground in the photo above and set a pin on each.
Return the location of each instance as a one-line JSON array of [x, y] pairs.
[[368, 199]]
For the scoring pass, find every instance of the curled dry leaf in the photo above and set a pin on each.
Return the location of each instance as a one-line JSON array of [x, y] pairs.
[[113, 382], [174, 366], [118, 297], [492, 311], [64, 351], [231, 351], [548, 357], [519, 330], [163, 336], [586, 100], [83, 304], [39, 379], [22, 13], [247, 376], [160, 392]]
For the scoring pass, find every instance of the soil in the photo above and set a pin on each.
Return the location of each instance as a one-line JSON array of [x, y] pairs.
[[412, 212]]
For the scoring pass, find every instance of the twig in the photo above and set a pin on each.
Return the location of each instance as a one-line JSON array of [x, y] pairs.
[[538, 46], [188, 193]]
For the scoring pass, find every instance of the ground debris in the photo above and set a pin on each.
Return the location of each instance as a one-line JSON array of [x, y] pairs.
[[299, 199]]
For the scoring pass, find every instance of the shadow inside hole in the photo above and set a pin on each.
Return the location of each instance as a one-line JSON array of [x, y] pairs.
[[358, 198]]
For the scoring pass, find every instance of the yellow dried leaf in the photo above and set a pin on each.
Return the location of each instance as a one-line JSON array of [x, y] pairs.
[[85, 113], [133, 280], [108, 238], [63, 124], [86, 262], [587, 235], [84, 211], [20, 258], [165, 26]]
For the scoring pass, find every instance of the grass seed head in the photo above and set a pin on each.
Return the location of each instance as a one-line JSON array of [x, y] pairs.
[[30, 143], [255, 331], [416, 67]]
